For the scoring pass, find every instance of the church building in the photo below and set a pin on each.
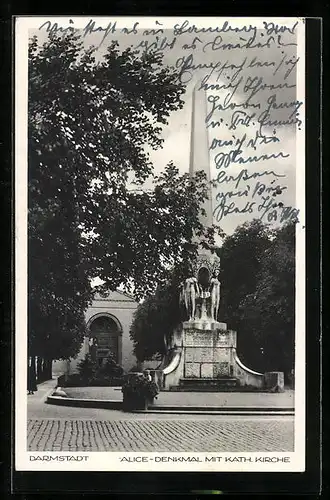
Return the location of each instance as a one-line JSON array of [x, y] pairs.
[[108, 321]]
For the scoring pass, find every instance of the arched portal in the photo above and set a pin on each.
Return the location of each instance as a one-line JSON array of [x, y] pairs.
[[105, 331], [204, 277]]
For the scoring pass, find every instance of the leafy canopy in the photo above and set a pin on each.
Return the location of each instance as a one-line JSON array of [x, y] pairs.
[[91, 122], [157, 316], [269, 311]]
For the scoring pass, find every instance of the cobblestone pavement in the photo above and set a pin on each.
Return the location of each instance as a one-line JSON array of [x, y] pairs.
[[152, 435]]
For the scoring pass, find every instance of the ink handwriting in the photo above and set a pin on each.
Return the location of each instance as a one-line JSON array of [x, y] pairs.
[[247, 70]]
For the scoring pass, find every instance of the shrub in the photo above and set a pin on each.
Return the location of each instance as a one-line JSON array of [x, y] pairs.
[[74, 380], [87, 368], [137, 387], [101, 380], [90, 374], [111, 368]]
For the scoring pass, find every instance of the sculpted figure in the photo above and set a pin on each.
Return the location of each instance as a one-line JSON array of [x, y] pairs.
[[215, 296], [182, 294], [190, 293]]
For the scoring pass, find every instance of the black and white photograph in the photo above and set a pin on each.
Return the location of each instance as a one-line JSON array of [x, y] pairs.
[[160, 244]]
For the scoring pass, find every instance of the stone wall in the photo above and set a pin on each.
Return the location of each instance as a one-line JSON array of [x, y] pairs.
[[245, 375]]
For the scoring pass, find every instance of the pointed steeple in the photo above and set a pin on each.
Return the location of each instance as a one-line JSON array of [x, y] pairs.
[[199, 147]]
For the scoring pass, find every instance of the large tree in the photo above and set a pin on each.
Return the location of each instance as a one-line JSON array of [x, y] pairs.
[[241, 257], [269, 312], [90, 124], [157, 316]]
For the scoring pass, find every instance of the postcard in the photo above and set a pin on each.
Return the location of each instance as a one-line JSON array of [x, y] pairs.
[[160, 244]]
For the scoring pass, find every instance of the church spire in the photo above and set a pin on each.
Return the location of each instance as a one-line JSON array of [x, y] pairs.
[[199, 148]]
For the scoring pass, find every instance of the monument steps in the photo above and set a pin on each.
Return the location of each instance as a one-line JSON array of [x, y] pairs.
[[205, 384]]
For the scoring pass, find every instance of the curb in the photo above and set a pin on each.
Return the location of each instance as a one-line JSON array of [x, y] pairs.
[[84, 403], [49, 391], [188, 410], [228, 412], [255, 409]]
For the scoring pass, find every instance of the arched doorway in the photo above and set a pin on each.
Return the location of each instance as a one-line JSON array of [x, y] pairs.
[[105, 331]]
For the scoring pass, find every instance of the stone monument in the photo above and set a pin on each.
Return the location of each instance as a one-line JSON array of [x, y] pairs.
[[203, 351], [205, 341]]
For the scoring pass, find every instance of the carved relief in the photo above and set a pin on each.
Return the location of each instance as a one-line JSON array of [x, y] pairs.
[[221, 355], [199, 354], [192, 370], [221, 369], [198, 339]]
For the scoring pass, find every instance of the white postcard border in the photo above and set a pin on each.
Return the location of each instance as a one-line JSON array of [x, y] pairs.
[[110, 461]]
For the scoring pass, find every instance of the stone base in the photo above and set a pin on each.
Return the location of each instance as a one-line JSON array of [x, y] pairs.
[[201, 324], [207, 354], [206, 360], [207, 370]]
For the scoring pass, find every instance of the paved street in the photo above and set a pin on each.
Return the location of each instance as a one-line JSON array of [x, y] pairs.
[[61, 428], [161, 435]]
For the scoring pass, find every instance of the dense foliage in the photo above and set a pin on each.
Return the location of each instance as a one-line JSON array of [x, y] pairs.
[[269, 311], [241, 259], [156, 317], [90, 124], [92, 374]]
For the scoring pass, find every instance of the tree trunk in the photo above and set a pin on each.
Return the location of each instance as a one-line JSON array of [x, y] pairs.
[[32, 375], [48, 369], [39, 370]]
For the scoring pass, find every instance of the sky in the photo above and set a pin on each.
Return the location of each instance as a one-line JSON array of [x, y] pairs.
[[260, 63]]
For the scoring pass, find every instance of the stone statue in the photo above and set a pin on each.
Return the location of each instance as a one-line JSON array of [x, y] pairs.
[[182, 290], [190, 293], [215, 296]]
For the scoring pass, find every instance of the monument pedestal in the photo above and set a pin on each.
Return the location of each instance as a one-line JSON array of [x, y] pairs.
[[205, 359], [207, 351]]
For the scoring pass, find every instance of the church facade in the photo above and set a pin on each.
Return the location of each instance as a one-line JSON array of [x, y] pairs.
[[108, 322]]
